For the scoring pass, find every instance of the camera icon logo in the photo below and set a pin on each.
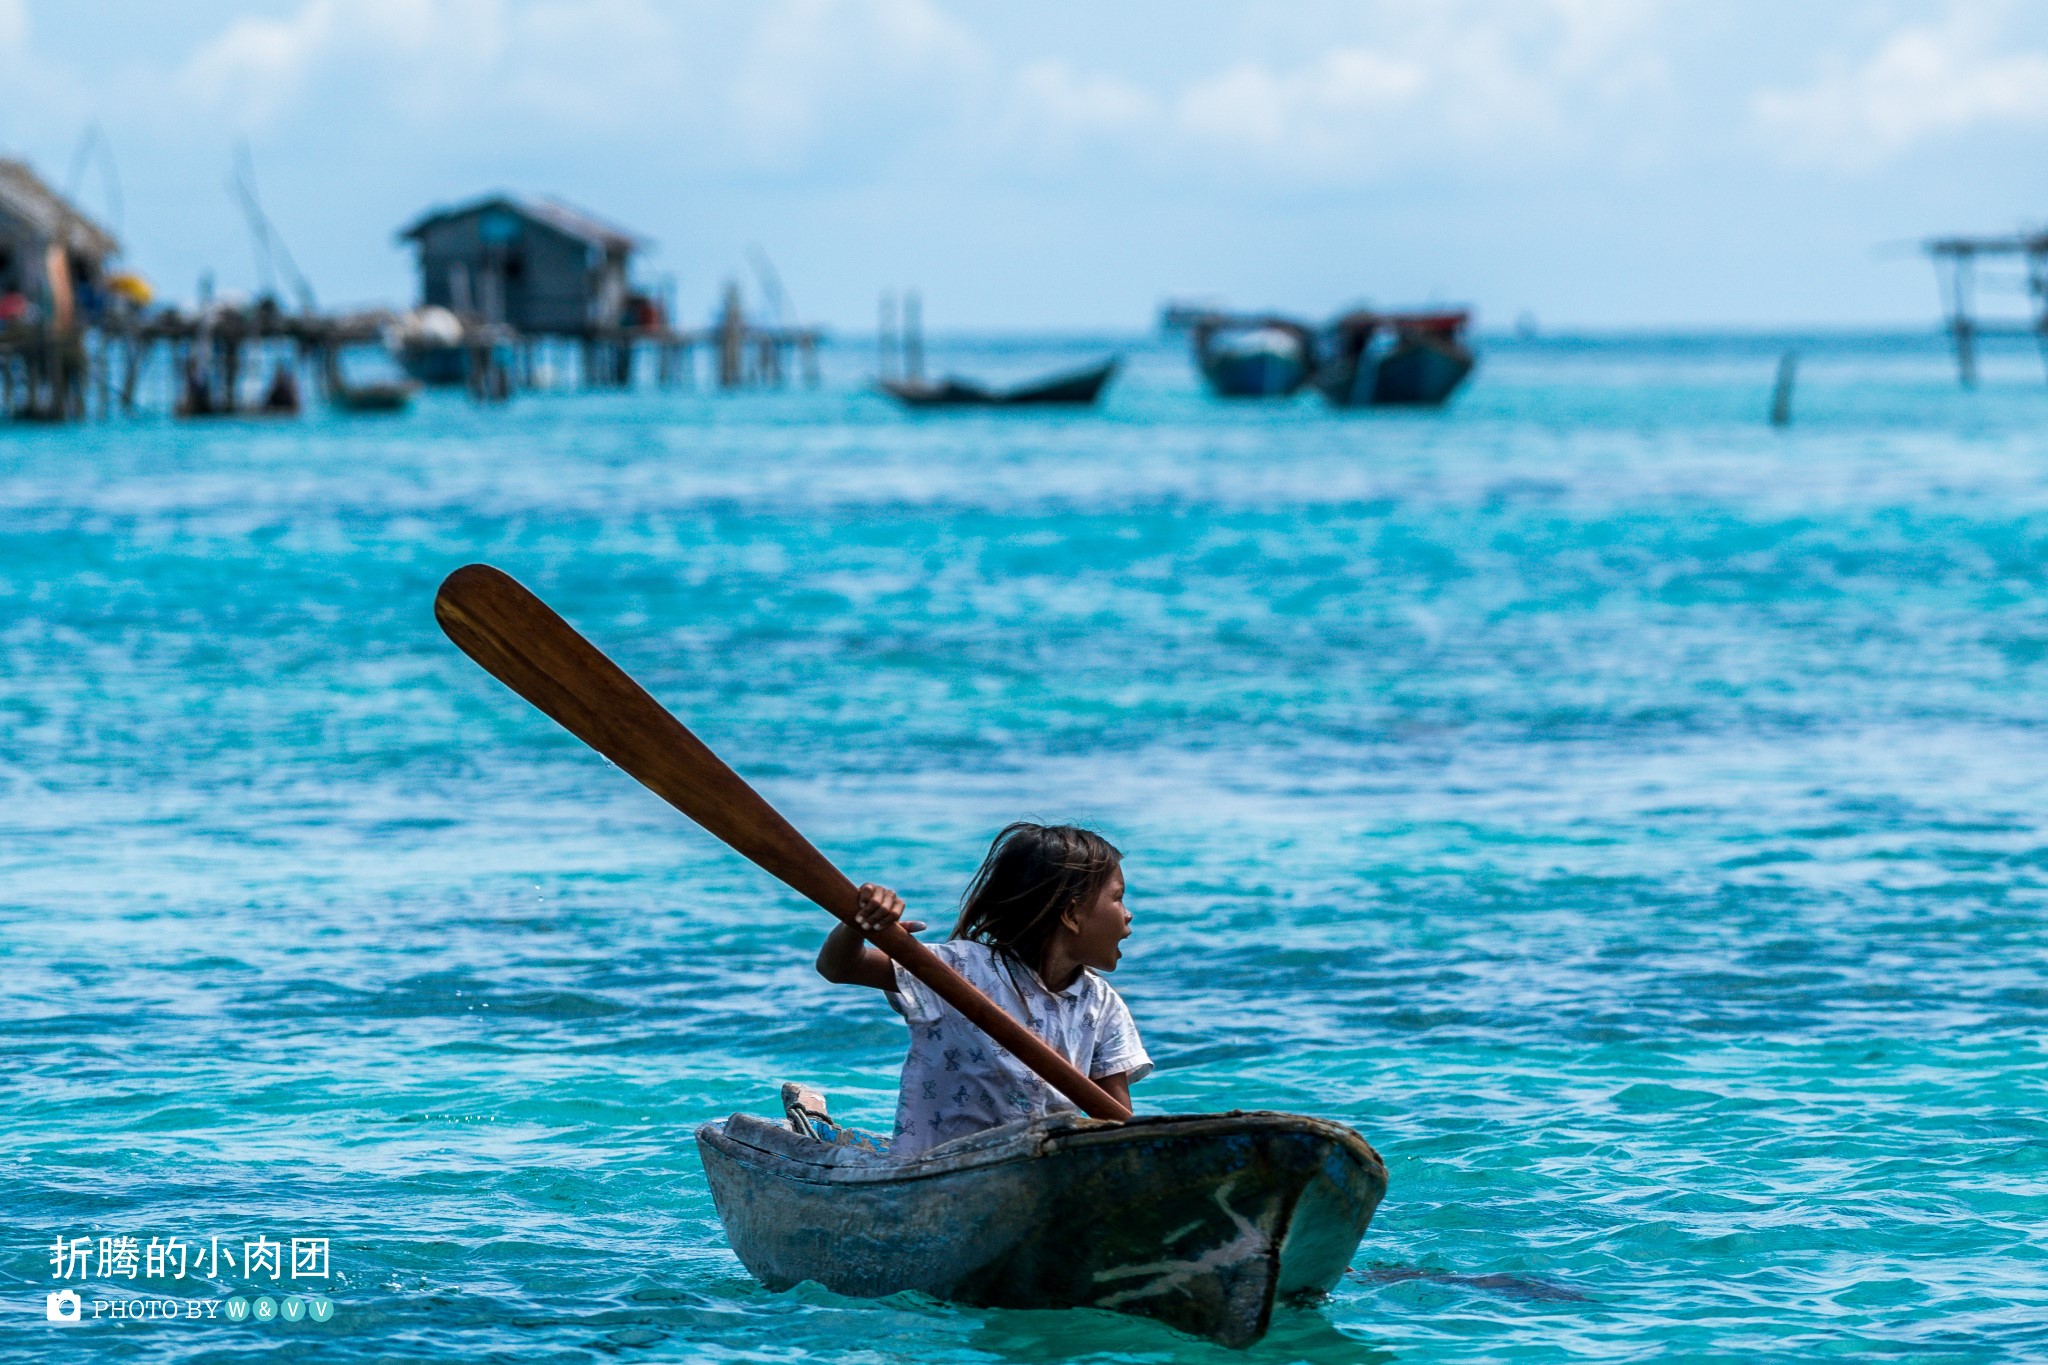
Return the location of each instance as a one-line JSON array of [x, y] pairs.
[[61, 1306]]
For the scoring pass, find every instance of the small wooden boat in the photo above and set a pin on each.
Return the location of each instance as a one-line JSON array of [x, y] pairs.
[[429, 345], [434, 364], [1395, 359], [364, 395], [1265, 357], [1202, 1221], [1076, 388], [379, 395], [203, 394]]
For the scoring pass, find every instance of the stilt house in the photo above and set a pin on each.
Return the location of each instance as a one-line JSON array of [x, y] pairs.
[[53, 258], [535, 265]]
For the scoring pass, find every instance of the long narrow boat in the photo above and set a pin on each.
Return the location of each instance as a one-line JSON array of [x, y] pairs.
[[1075, 388], [1202, 1221], [375, 395]]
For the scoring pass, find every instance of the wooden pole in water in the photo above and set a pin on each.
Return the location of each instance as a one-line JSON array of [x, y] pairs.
[[1781, 392], [885, 337], [732, 340], [1962, 280], [913, 336], [132, 364], [2037, 289]]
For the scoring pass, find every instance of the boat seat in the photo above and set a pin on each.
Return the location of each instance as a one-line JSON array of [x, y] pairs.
[[778, 1140], [805, 1109]]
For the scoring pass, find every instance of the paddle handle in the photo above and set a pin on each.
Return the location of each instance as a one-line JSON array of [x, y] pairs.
[[519, 640]]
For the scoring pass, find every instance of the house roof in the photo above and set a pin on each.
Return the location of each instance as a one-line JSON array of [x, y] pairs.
[[553, 213], [46, 214]]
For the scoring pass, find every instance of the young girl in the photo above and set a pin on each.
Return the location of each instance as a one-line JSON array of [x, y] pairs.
[[1042, 916]]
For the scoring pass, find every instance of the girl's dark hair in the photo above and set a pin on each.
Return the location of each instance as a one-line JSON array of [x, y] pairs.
[[1031, 874]]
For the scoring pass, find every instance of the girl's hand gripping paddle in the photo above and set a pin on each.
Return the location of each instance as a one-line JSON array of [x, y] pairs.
[[522, 643]]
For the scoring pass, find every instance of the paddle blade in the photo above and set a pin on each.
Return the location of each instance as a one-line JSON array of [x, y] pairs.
[[519, 640]]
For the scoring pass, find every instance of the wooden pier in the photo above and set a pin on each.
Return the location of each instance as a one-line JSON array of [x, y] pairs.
[[200, 363], [1955, 267], [49, 373], [516, 293], [557, 275]]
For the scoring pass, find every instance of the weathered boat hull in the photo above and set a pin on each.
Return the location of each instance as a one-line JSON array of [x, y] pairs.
[[1417, 372], [435, 365], [1201, 1221], [373, 397], [1254, 376], [1077, 388], [1262, 367], [1420, 374]]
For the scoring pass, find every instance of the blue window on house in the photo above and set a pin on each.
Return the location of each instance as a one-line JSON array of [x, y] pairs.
[[498, 227]]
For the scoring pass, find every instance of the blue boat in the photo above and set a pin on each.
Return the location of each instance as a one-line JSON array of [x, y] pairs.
[[431, 345], [1395, 359], [1253, 358]]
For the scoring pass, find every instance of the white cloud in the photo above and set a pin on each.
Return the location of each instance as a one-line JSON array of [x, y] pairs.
[[1922, 83], [859, 77], [38, 101], [13, 28], [260, 68], [1307, 115], [851, 89], [769, 85], [1405, 85], [257, 65], [592, 65], [1052, 99]]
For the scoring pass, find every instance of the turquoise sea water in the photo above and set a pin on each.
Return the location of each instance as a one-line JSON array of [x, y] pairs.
[[1632, 819]]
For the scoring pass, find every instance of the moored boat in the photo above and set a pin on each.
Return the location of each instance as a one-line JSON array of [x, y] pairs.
[[1202, 1221], [378, 395], [1076, 388], [1395, 359], [430, 345], [364, 395], [1253, 358]]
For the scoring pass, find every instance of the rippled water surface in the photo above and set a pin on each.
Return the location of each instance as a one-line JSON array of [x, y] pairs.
[[1629, 817]]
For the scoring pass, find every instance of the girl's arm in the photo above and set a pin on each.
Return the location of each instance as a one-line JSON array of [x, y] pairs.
[[849, 960], [1119, 1087]]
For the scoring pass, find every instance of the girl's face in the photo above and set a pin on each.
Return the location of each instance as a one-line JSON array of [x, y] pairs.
[[1096, 929]]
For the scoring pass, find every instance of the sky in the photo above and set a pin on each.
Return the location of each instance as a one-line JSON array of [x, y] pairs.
[[1587, 164]]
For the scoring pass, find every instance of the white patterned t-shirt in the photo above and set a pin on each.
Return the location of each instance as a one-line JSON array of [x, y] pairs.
[[957, 1081]]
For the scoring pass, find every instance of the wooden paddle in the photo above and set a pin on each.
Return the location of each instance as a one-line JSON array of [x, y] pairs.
[[522, 643]]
